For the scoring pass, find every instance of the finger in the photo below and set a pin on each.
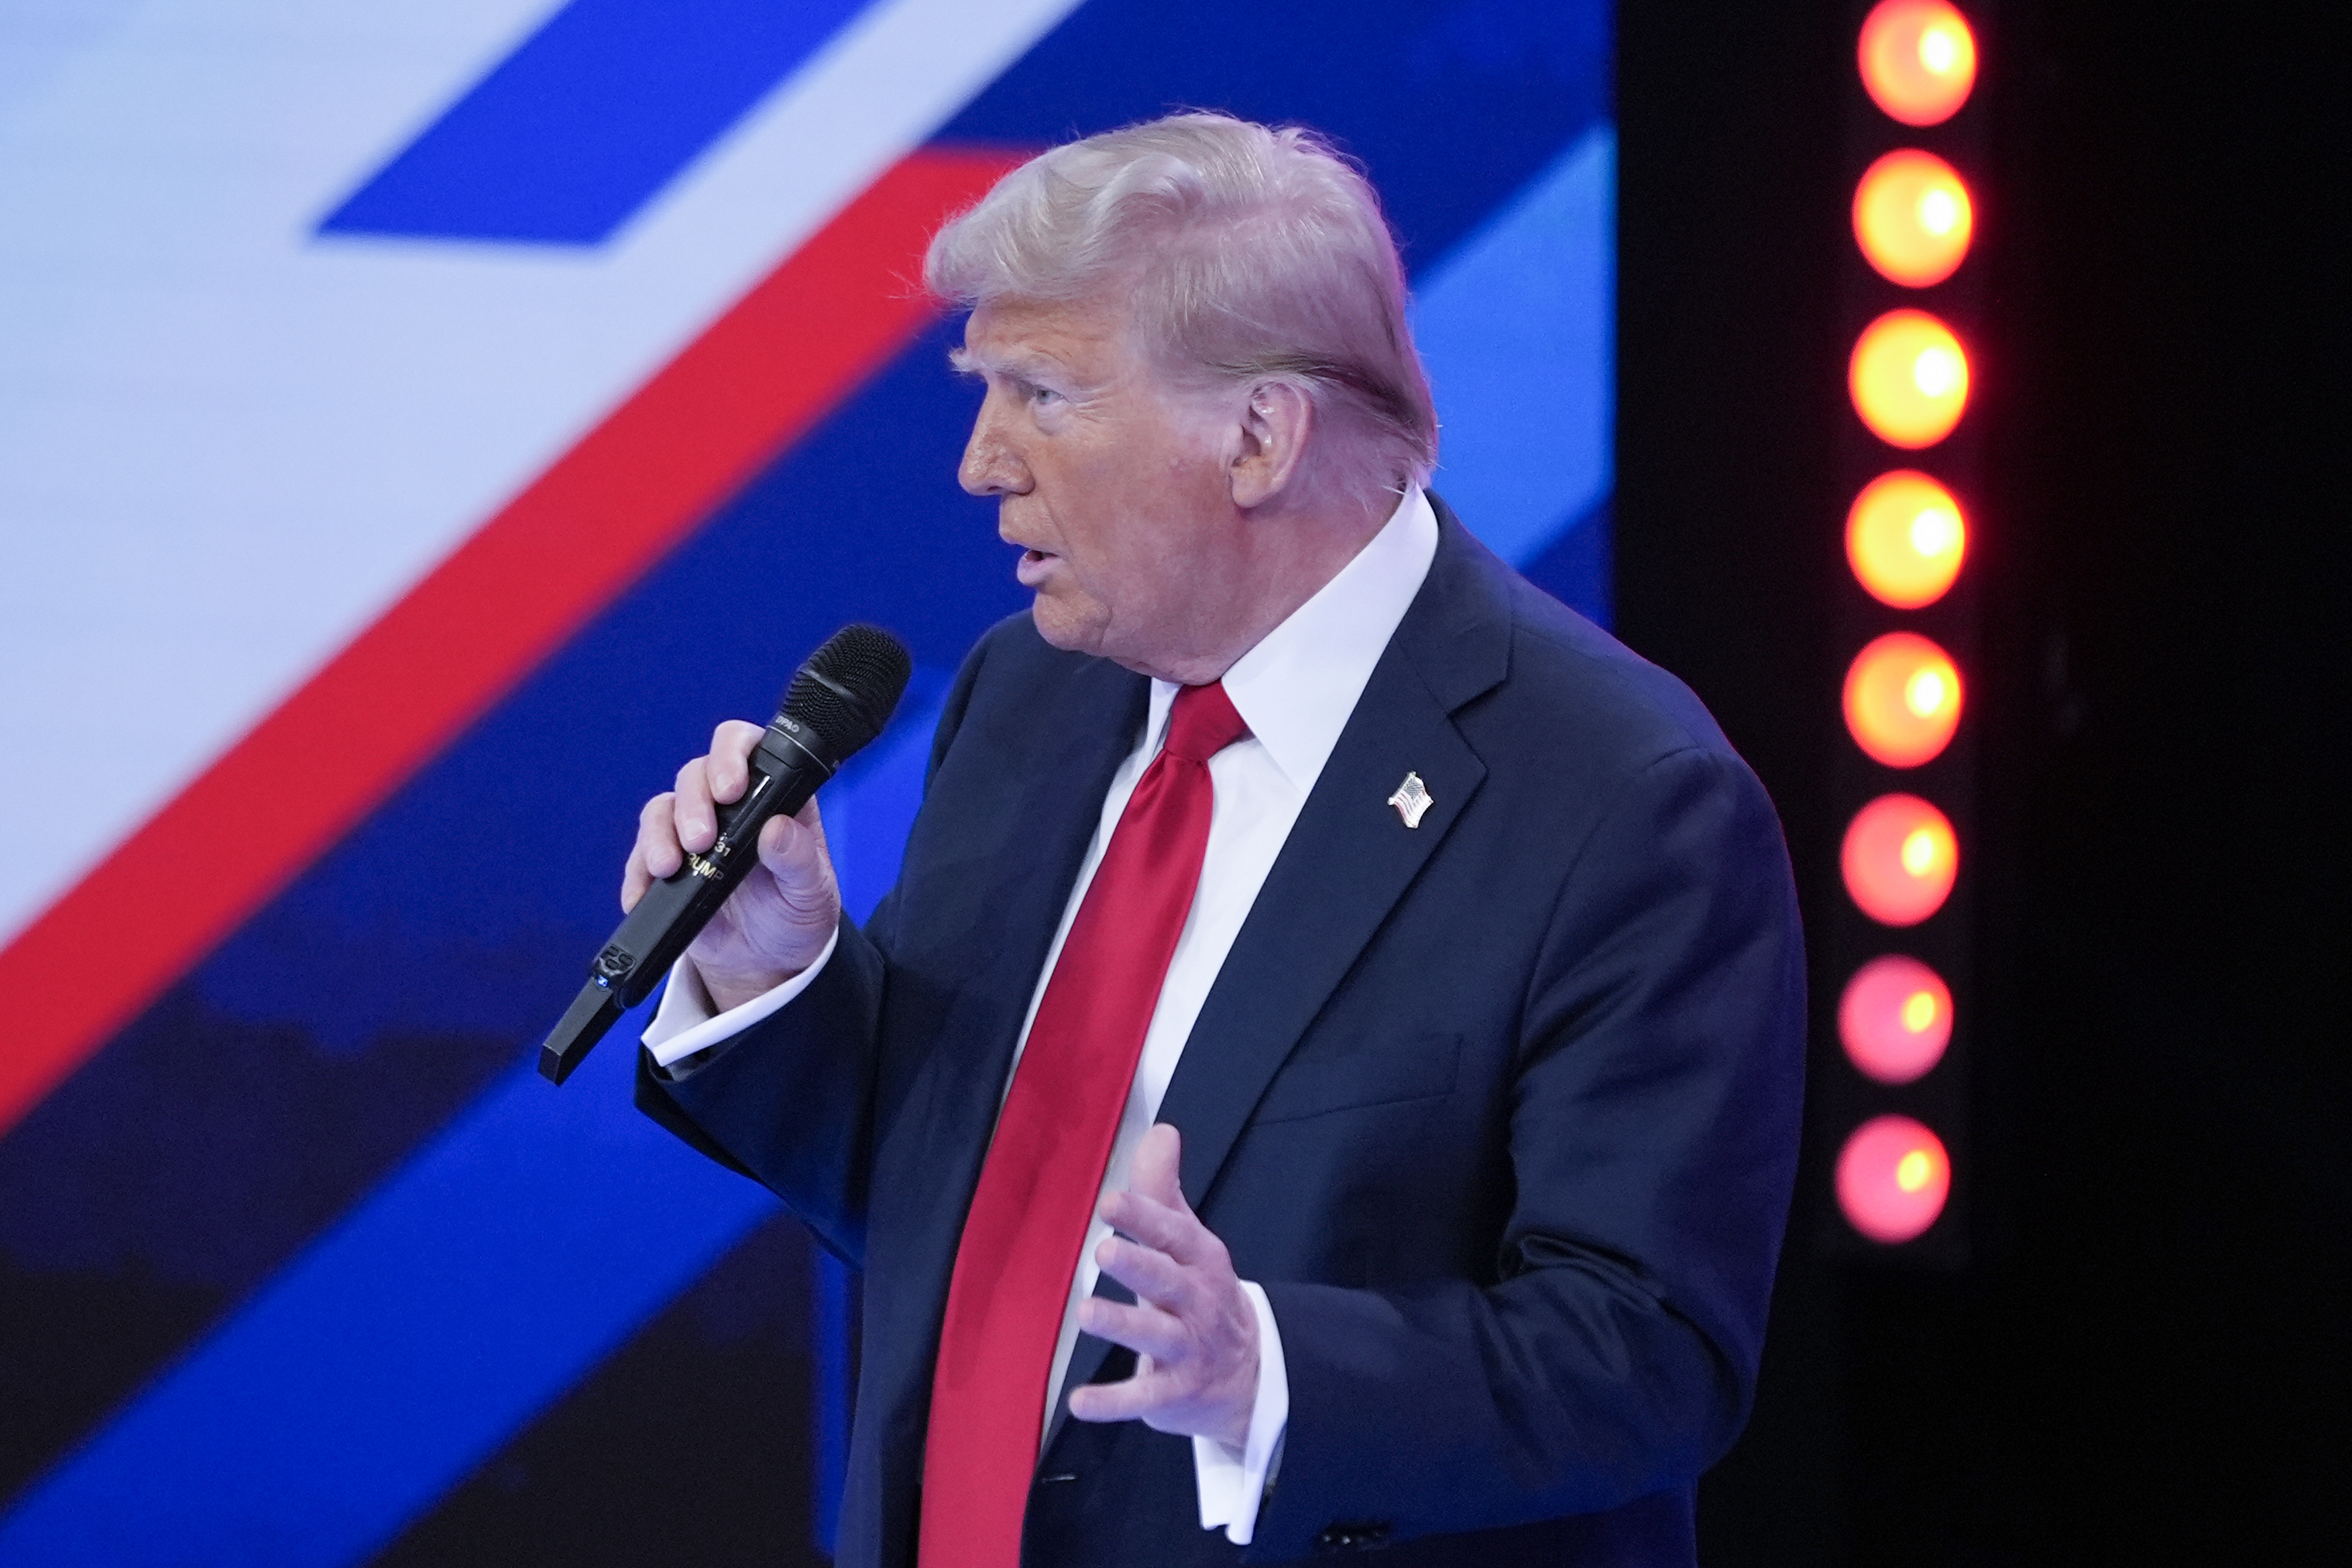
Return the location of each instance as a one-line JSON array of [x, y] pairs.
[[730, 769], [657, 849], [1158, 1172], [696, 816], [635, 878], [1147, 1331], [1130, 1399], [1150, 1207], [1155, 1277], [1175, 1232]]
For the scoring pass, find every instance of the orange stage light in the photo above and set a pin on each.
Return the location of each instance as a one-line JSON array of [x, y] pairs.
[[1919, 59], [1892, 1177], [1894, 1018], [1912, 217], [1909, 377], [1899, 860], [1902, 699], [1905, 538]]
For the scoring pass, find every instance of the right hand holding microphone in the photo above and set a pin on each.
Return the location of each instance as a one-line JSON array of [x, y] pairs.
[[779, 920]]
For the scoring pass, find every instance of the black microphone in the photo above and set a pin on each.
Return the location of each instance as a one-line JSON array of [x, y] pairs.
[[840, 699]]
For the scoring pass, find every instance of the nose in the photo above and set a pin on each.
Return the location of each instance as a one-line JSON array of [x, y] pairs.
[[991, 466]]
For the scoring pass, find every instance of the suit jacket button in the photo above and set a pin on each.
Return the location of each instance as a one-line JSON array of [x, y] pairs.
[[1356, 1537]]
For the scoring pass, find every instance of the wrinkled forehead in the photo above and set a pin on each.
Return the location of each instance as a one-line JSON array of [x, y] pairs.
[[1096, 339], [999, 332]]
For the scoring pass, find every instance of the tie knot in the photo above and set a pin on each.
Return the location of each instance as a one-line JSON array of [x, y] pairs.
[[1204, 723]]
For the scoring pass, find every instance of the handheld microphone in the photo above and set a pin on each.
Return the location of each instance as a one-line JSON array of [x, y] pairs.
[[840, 699]]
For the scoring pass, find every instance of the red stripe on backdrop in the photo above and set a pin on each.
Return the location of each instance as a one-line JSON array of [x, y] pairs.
[[757, 380]]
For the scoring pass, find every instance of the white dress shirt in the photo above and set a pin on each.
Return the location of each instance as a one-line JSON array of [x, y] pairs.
[[1296, 690]]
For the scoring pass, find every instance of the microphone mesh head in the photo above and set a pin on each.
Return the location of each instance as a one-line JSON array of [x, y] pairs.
[[848, 688]]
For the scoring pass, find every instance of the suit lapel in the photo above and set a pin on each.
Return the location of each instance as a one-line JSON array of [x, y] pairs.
[[1351, 856]]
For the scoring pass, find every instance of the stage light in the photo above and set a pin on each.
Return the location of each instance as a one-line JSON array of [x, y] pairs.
[[1919, 59], [1912, 217], [1894, 1018], [1892, 1177], [1899, 860], [1904, 538], [1902, 699], [1909, 377], [1913, 376]]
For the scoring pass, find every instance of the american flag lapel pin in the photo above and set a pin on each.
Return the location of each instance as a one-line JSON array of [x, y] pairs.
[[1412, 798]]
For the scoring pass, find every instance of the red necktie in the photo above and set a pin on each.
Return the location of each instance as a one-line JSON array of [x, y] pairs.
[[1045, 1167]]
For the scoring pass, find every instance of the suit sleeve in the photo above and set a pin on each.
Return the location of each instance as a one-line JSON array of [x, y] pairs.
[[791, 1102], [1653, 1142]]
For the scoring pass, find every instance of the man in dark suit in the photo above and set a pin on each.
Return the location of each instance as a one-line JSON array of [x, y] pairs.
[[1328, 1075]]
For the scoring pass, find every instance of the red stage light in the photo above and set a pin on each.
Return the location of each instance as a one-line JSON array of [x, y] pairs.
[[1912, 217], [1905, 538], [1893, 1177], [1894, 1018], [1919, 59], [1910, 379], [1902, 699], [1899, 860]]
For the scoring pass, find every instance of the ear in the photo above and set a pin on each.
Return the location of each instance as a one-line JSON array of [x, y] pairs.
[[1278, 421]]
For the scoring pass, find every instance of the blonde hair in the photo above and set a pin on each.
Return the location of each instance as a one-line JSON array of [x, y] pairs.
[[1249, 254]]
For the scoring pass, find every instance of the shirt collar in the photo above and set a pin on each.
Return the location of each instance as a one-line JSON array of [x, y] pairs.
[[1297, 687]]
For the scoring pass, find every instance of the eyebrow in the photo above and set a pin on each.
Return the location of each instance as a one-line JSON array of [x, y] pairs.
[[1023, 367]]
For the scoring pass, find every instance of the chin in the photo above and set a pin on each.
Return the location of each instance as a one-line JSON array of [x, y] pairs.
[[1064, 627]]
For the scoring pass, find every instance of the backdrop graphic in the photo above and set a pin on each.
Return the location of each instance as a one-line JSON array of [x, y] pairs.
[[419, 424]]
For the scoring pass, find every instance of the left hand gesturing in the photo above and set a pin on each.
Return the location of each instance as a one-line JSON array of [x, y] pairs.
[[1192, 1328]]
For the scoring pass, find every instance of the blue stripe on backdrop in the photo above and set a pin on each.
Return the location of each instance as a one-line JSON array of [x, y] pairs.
[[1518, 327], [587, 119], [515, 1252]]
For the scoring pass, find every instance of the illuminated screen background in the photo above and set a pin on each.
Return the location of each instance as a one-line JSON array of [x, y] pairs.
[[419, 424]]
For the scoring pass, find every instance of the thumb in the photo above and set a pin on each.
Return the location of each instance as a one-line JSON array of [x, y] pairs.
[[793, 848], [792, 852], [1159, 1162], [796, 838]]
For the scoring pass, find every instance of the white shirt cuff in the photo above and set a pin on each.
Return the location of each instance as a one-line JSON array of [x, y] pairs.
[[1232, 1481], [687, 1022]]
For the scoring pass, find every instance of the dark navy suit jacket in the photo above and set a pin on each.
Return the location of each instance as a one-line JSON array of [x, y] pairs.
[[1502, 1110]]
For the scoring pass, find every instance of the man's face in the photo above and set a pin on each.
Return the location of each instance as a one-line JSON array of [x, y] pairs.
[[1114, 485]]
